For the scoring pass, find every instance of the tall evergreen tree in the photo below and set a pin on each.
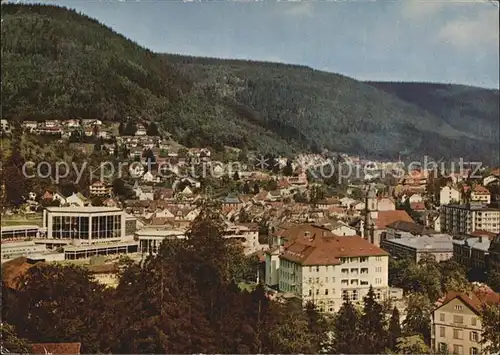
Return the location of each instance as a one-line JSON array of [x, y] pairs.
[[153, 129], [347, 330], [319, 328], [288, 169], [374, 335], [394, 329]]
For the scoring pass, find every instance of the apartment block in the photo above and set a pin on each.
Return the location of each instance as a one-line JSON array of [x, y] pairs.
[[465, 219], [324, 268]]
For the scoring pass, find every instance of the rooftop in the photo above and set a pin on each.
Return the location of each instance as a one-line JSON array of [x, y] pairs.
[[384, 218], [329, 250], [19, 227], [426, 243], [479, 243], [86, 209], [472, 207]]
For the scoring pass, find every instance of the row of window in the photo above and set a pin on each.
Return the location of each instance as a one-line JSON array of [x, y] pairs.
[[458, 319], [459, 334], [457, 349]]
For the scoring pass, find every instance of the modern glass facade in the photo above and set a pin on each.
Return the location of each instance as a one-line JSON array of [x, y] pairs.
[[89, 225], [70, 227]]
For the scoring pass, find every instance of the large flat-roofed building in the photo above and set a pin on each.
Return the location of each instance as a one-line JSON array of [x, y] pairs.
[[73, 252], [150, 239], [20, 232], [465, 219], [15, 249], [414, 247], [85, 225], [472, 252]]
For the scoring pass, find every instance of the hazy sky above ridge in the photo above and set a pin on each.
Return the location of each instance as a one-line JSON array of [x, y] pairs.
[[406, 40]]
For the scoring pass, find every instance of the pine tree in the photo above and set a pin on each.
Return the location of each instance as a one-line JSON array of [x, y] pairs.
[[318, 328], [394, 329], [236, 176], [288, 169], [347, 330], [374, 335], [256, 188], [152, 129]]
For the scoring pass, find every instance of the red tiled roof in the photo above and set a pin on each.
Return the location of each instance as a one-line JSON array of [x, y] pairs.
[[56, 348], [14, 270], [481, 190], [329, 250], [481, 233], [385, 218], [475, 300]]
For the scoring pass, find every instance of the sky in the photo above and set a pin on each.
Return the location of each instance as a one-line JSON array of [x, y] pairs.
[[449, 41]]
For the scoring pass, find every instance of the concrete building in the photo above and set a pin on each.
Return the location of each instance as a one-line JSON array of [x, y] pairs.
[[85, 225], [324, 268], [84, 232], [15, 249], [247, 234], [494, 254], [465, 219], [150, 239], [449, 194], [472, 252], [20, 232], [456, 322], [414, 247]]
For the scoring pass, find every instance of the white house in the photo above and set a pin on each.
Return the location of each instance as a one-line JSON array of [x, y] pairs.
[[490, 179], [141, 131], [59, 197], [76, 199], [148, 177], [415, 198], [343, 229], [449, 194], [481, 194], [386, 204], [347, 201]]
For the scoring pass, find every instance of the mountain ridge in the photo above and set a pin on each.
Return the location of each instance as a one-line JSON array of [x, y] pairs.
[[60, 64]]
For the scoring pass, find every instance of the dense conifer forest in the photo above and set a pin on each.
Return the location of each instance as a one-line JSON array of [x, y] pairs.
[[57, 63]]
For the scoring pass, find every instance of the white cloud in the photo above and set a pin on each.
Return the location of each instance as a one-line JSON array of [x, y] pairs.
[[304, 9], [418, 9], [465, 33]]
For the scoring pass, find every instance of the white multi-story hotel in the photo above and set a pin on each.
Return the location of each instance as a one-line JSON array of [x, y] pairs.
[[318, 266], [463, 219]]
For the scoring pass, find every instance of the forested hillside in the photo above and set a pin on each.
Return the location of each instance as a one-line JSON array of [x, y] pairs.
[[463, 107], [59, 64]]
